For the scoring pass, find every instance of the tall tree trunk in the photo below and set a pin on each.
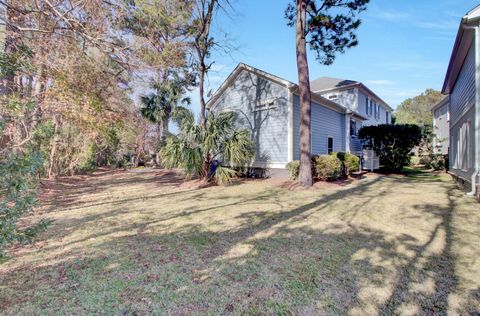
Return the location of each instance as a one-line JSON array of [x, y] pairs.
[[203, 115], [53, 149], [165, 122], [305, 175]]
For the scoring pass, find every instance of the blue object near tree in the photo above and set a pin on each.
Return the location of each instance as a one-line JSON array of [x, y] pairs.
[[213, 168]]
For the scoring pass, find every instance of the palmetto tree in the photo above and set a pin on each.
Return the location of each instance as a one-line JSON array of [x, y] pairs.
[[157, 107], [196, 148]]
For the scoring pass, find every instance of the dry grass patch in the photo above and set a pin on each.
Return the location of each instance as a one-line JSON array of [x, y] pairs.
[[125, 242]]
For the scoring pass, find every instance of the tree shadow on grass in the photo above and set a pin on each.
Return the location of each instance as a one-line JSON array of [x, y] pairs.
[[271, 262]]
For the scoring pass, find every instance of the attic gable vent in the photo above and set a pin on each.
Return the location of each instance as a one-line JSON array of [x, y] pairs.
[[266, 104]]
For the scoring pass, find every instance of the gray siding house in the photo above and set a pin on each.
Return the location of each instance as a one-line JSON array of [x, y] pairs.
[[357, 97], [269, 107], [441, 126], [462, 84]]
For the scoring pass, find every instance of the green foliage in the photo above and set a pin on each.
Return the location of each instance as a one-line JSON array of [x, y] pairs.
[[393, 144], [352, 163], [418, 110], [293, 168], [330, 26], [224, 175], [158, 107], [195, 148], [327, 167], [16, 62], [90, 162], [433, 161], [18, 197]]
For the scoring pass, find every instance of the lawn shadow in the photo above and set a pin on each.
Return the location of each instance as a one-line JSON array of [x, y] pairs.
[[269, 263]]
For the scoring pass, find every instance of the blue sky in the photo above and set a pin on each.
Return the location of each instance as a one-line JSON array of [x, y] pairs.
[[404, 46]]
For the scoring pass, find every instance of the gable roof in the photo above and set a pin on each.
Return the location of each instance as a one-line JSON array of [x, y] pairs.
[[328, 83], [293, 87], [442, 102], [325, 84], [460, 49]]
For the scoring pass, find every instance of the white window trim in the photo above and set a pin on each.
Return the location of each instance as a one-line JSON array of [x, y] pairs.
[[333, 144]]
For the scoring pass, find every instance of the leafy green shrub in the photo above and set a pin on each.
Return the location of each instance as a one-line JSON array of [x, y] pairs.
[[352, 163], [414, 161], [293, 168], [433, 161], [18, 196], [438, 162], [194, 149], [327, 167], [393, 144]]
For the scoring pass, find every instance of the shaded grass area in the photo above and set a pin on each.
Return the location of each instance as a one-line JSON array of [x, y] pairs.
[[125, 243]]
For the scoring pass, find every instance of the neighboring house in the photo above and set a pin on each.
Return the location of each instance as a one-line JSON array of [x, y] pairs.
[[441, 126], [358, 98], [269, 107], [462, 84]]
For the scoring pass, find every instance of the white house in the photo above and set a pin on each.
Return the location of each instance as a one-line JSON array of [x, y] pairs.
[[441, 126]]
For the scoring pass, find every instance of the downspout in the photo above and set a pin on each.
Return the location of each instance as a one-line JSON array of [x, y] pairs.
[[476, 170], [348, 137]]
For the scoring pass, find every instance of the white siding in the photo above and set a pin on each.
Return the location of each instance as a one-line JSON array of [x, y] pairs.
[[347, 98], [372, 119], [441, 129]]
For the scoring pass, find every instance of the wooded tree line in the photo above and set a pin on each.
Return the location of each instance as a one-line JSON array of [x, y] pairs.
[[68, 72], [69, 69]]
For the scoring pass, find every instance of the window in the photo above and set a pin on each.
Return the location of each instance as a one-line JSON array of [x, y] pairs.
[[387, 121], [366, 105], [353, 128], [462, 157], [330, 145]]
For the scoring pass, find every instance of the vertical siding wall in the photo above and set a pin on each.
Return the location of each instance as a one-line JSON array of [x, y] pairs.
[[462, 114], [325, 123], [441, 129], [463, 94], [268, 124], [362, 109], [347, 98]]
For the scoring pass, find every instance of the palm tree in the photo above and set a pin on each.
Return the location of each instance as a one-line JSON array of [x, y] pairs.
[[197, 149], [157, 107]]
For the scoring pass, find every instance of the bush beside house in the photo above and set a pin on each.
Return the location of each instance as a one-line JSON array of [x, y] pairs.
[[393, 144], [328, 167]]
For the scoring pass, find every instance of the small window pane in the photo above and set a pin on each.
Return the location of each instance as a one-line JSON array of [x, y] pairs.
[[330, 145]]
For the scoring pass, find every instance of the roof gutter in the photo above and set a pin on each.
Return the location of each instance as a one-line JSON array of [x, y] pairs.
[[476, 158]]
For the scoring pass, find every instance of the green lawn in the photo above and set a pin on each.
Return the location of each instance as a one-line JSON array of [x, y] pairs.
[[125, 243]]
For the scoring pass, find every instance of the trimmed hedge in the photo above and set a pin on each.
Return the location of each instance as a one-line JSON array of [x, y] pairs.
[[327, 167], [352, 163], [293, 168]]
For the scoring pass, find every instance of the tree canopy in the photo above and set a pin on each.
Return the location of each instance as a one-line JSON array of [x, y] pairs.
[[418, 110]]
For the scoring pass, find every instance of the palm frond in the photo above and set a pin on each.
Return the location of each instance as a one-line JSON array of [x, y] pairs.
[[224, 175]]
